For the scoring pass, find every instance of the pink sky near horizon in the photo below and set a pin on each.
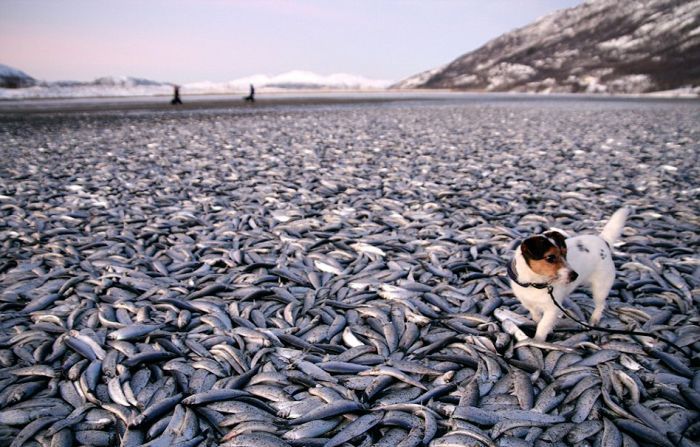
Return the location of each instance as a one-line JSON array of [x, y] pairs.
[[219, 40]]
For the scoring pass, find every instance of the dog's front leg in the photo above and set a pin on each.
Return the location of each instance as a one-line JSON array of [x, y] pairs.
[[547, 323], [535, 313]]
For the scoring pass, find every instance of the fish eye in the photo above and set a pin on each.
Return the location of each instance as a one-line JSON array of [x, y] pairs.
[[551, 259]]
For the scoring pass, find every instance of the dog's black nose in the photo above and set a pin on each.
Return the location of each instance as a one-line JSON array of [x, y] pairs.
[[572, 276]]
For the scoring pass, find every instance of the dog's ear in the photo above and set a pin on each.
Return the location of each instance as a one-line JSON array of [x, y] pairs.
[[558, 238], [535, 247]]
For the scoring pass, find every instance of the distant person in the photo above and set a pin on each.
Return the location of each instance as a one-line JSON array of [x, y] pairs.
[[176, 95], [251, 96]]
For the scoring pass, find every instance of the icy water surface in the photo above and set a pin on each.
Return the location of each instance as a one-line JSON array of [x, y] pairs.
[[334, 273]]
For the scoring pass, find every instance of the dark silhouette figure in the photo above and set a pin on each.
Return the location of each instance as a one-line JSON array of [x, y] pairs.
[[176, 95], [251, 96]]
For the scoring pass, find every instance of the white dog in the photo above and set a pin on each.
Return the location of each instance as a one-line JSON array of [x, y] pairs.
[[553, 260]]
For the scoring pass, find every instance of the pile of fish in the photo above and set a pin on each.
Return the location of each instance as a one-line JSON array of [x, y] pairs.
[[335, 276]]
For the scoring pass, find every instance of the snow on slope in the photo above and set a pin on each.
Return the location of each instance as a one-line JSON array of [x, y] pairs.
[[416, 81], [128, 86]]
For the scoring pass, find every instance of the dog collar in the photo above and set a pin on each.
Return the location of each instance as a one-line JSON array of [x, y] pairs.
[[514, 277]]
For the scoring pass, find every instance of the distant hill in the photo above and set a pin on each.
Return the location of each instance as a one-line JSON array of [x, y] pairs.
[[125, 81], [13, 78], [616, 46], [292, 80], [130, 86]]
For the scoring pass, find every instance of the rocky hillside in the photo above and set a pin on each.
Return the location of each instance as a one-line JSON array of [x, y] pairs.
[[616, 46]]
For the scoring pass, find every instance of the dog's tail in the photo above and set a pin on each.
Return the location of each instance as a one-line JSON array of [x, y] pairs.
[[612, 230]]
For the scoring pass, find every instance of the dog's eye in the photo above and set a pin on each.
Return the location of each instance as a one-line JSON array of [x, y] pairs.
[[551, 259]]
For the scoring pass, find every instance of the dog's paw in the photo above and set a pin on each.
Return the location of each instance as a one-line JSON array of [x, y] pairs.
[[595, 318]]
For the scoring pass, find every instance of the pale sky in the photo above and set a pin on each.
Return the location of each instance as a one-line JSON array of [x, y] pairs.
[[219, 40]]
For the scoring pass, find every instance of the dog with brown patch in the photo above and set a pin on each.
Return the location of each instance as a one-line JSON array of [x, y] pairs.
[[553, 260]]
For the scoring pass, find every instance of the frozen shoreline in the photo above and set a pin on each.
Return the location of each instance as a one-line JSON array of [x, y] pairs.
[[303, 98]]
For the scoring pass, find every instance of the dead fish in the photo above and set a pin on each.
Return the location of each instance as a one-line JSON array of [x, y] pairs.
[[345, 275]]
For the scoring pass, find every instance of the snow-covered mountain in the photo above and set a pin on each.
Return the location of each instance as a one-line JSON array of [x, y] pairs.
[[13, 78], [100, 87], [293, 80], [129, 86], [616, 46]]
